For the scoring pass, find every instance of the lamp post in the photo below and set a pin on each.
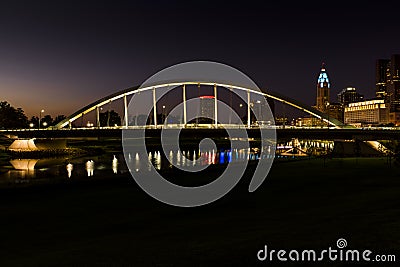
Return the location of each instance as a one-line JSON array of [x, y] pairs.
[[163, 114], [251, 107], [259, 112], [327, 111], [40, 117], [240, 106]]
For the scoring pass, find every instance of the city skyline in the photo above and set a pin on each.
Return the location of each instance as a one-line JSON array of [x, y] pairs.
[[323, 79], [59, 58]]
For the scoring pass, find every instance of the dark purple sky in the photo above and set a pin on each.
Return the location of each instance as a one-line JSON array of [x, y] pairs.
[[63, 55]]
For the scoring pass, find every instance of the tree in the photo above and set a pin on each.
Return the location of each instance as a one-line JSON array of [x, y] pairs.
[[12, 118], [47, 121], [110, 119], [34, 121], [58, 119]]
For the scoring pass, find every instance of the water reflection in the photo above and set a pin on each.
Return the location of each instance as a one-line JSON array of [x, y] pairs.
[[24, 164], [150, 157], [178, 158], [157, 160], [187, 157], [108, 165], [296, 147], [183, 158], [114, 165], [90, 168], [70, 167], [171, 158]]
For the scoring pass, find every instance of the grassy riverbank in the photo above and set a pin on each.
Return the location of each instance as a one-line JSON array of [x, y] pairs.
[[302, 204]]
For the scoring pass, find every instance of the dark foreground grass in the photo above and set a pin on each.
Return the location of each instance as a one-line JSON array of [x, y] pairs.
[[301, 205]]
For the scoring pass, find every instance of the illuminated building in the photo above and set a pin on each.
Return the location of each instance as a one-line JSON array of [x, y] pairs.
[[258, 116], [281, 120], [335, 111], [207, 103], [309, 122], [349, 95], [323, 88], [382, 71], [394, 117], [393, 84], [323, 104], [388, 85], [371, 112]]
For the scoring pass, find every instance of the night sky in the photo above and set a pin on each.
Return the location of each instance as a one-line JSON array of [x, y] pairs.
[[62, 55]]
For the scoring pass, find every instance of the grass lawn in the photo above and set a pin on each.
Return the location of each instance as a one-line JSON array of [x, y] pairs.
[[305, 204]]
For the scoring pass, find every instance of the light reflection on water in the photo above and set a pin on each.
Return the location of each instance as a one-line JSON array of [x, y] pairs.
[[90, 168], [70, 168], [115, 165], [109, 165]]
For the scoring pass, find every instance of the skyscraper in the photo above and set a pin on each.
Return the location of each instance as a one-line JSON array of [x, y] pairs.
[[382, 72], [388, 81], [349, 95], [323, 88], [393, 84], [206, 109]]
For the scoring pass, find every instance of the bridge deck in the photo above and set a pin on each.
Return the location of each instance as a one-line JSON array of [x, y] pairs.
[[314, 133]]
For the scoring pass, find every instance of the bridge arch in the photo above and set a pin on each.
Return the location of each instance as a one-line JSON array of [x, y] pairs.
[[136, 89]]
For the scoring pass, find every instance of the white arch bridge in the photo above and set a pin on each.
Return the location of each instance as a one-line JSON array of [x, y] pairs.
[[96, 106]]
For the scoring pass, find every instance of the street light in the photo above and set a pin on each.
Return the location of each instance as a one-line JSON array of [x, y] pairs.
[[327, 108], [163, 113], [240, 110], [40, 117], [251, 108], [259, 111]]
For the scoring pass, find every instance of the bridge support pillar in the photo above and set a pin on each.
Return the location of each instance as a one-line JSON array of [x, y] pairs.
[[126, 111], [248, 109], [215, 107], [97, 117], [184, 105], [154, 107]]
